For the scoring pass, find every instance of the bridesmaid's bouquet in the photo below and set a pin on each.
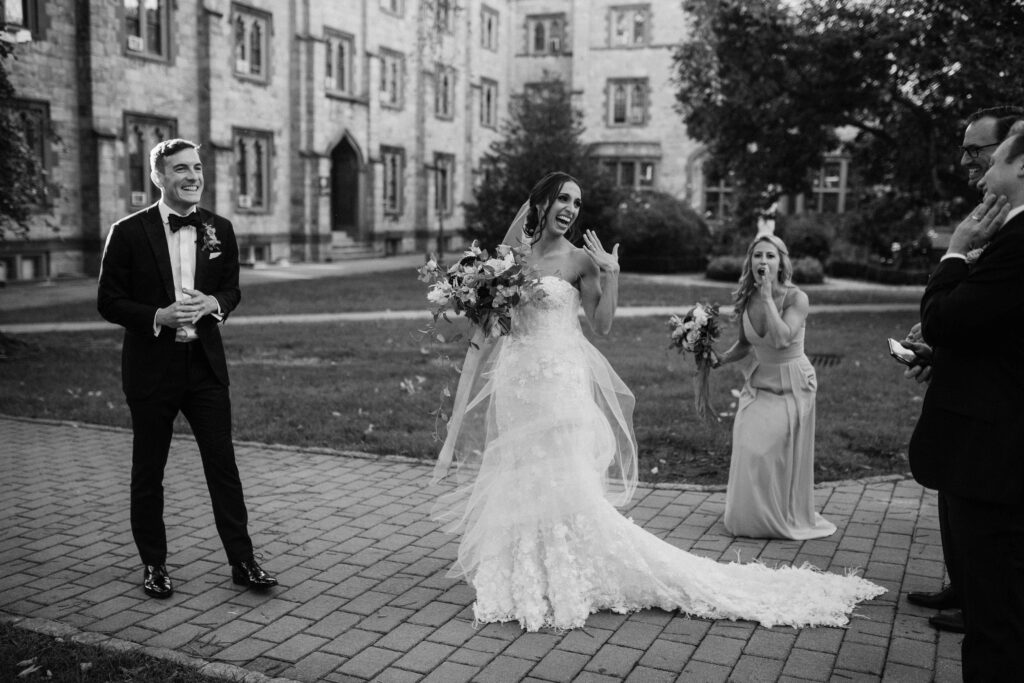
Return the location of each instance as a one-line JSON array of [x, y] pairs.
[[695, 333], [483, 288]]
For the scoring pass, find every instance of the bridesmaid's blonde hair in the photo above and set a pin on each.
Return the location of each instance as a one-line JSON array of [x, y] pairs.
[[741, 296]]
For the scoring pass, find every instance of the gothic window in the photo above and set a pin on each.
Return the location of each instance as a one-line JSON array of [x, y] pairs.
[[252, 169], [488, 28], [444, 92], [546, 34], [251, 35], [339, 67], [627, 102], [143, 133], [392, 75], [393, 159], [146, 25], [630, 25], [488, 103]]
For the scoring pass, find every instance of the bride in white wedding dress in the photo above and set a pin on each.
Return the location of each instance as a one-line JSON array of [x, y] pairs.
[[541, 443]]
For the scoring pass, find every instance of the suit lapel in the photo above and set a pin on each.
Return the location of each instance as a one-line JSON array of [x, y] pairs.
[[202, 257], [154, 228]]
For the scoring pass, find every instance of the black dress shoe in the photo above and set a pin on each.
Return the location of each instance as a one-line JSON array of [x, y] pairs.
[[248, 573], [943, 599], [156, 581], [949, 621]]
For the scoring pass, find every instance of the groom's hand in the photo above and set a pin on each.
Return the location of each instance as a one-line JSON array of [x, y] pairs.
[[198, 304]]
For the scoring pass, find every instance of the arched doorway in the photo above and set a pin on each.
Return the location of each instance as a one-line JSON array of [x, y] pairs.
[[345, 189]]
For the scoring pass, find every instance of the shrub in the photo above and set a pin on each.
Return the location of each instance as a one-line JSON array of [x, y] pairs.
[[808, 271], [809, 234], [657, 233], [725, 268]]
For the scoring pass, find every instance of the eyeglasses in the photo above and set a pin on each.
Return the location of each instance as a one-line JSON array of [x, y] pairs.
[[972, 151]]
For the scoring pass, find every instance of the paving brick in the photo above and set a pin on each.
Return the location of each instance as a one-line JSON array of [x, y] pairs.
[[752, 669], [585, 640], [667, 655], [719, 650], [614, 660], [503, 669], [820, 639], [705, 672], [351, 642], [314, 667], [642, 674], [450, 672], [774, 644], [369, 662], [296, 647], [424, 657], [455, 632], [809, 665], [245, 651], [635, 634], [532, 645], [560, 666], [914, 653], [902, 673]]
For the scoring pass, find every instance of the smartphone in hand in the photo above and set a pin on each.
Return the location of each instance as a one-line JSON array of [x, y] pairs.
[[901, 353]]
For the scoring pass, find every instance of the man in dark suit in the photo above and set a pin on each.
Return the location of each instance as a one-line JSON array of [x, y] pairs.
[[969, 440], [985, 129], [169, 276]]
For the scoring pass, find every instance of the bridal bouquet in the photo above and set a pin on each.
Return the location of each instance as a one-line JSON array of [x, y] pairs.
[[695, 333], [483, 288]]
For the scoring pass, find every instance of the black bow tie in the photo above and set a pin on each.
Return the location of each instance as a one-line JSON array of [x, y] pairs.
[[178, 222]]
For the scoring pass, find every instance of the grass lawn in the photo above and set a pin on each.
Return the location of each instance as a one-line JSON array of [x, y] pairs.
[[372, 386], [29, 656], [402, 291]]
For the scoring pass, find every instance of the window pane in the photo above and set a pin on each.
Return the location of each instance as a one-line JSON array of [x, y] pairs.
[[538, 37], [628, 178], [619, 104], [639, 21], [154, 36], [646, 174]]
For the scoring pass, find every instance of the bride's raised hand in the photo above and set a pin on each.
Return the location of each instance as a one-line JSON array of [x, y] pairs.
[[606, 262]]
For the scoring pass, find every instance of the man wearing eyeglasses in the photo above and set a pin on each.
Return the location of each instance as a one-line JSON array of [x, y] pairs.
[[986, 129]]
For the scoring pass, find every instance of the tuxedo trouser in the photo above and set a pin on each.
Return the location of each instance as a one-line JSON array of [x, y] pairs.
[[988, 540], [191, 388], [948, 549]]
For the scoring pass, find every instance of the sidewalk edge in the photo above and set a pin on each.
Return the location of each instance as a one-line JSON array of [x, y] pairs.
[[407, 460], [58, 629]]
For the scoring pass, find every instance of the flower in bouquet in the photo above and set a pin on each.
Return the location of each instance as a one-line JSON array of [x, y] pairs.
[[482, 287], [695, 333]]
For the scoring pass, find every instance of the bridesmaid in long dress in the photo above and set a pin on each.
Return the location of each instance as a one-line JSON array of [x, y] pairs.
[[771, 475]]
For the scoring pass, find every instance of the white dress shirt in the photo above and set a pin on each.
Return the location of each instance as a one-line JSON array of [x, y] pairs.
[[181, 246]]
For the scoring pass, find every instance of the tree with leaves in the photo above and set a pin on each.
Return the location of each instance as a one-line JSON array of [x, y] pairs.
[[767, 86], [543, 133], [21, 189]]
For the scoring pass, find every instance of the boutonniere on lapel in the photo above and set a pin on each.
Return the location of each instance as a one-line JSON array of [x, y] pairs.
[[209, 237]]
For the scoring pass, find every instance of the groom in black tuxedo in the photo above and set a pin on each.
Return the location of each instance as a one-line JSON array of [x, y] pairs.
[[969, 440], [169, 276]]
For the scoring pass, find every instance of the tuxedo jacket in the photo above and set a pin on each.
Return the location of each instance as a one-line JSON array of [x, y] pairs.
[[969, 440], [136, 280]]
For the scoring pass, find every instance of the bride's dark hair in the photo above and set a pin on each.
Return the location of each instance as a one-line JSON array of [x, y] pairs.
[[542, 197]]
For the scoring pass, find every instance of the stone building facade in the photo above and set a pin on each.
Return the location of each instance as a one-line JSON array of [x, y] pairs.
[[326, 125]]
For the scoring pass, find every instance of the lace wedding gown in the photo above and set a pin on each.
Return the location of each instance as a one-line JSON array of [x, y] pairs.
[[543, 440]]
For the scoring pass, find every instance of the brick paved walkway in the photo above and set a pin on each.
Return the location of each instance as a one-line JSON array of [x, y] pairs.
[[364, 593]]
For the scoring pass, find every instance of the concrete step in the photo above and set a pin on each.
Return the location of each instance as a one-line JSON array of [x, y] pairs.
[[355, 250]]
